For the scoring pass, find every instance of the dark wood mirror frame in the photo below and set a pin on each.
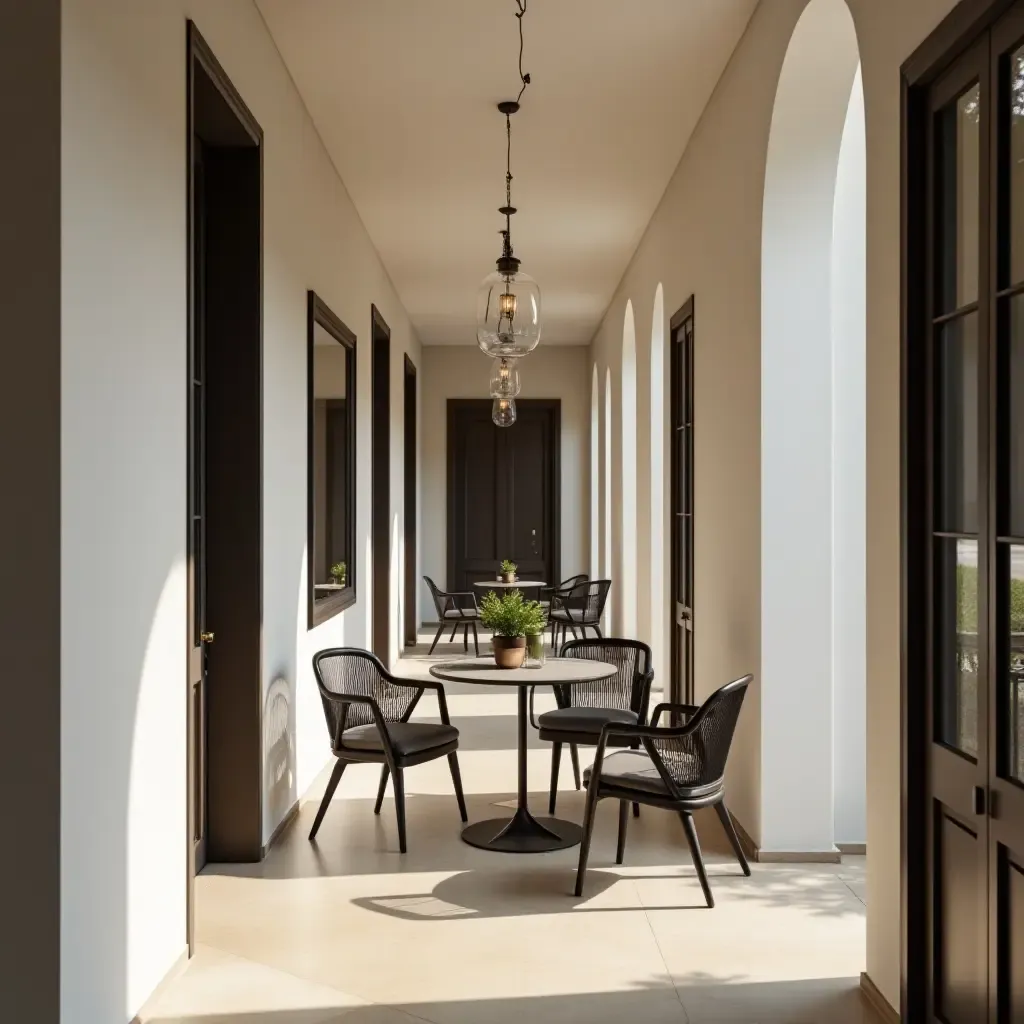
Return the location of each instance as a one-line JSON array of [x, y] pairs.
[[320, 611]]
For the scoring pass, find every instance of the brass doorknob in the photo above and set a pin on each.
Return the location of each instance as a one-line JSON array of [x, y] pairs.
[[207, 638]]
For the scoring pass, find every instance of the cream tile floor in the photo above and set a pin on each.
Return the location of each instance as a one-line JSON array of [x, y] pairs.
[[347, 929]]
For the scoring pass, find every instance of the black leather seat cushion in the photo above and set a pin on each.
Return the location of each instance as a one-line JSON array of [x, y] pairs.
[[407, 737], [584, 719], [466, 613], [631, 769], [567, 615]]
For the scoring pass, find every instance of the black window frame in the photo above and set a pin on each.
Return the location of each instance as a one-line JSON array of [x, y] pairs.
[[318, 312]]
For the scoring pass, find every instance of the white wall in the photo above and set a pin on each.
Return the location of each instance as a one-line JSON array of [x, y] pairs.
[[849, 595], [704, 239], [457, 371], [123, 465]]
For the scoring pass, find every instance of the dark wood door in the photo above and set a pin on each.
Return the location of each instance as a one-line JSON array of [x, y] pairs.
[[503, 492], [380, 511], [681, 490], [410, 446], [970, 429]]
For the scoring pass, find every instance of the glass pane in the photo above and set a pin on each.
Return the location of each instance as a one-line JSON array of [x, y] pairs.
[[1016, 170], [1012, 421], [956, 426], [958, 157], [956, 654], [1013, 617]]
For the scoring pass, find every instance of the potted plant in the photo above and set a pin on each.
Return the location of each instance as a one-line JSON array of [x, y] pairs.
[[508, 571], [339, 573], [510, 619]]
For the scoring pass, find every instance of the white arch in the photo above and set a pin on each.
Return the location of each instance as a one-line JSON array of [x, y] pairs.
[[628, 545], [606, 565], [659, 542], [595, 475], [798, 430]]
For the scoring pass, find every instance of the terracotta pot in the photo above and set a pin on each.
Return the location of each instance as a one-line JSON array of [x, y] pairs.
[[509, 651], [509, 577]]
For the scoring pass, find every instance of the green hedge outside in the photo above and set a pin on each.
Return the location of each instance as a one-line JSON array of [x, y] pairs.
[[967, 601]]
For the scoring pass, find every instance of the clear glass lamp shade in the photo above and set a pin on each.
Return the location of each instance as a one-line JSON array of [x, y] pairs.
[[508, 315], [503, 412], [504, 378]]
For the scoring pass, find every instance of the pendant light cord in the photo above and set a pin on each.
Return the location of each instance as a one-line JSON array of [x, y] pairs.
[[525, 79], [521, 5]]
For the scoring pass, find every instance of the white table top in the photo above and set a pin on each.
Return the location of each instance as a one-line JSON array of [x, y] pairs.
[[502, 585], [554, 670]]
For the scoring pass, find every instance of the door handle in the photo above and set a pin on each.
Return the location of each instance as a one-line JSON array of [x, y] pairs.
[[979, 800], [533, 541], [207, 638]]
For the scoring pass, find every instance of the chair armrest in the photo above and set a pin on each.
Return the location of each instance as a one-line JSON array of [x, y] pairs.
[[348, 698], [457, 599], [685, 709], [436, 688]]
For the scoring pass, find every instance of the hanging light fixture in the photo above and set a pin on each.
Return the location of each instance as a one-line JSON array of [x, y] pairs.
[[505, 378], [503, 412], [508, 305]]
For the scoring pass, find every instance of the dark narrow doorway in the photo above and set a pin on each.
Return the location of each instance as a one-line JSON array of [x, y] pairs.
[[380, 512], [963, 520], [681, 490], [411, 617], [224, 524], [504, 489]]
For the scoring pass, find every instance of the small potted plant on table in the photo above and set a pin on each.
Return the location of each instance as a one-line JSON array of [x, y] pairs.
[[511, 620], [508, 571], [339, 573]]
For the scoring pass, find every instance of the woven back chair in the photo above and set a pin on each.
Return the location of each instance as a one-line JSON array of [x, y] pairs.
[[454, 608], [681, 768], [367, 710], [578, 608]]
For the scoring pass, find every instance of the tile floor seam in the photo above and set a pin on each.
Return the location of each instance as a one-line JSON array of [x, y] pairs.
[[661, 953]]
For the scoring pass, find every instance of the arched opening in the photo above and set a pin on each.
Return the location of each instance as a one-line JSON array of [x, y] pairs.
[[812, 440], [628, 546], [659, 544], [606, 565], [595, 475]]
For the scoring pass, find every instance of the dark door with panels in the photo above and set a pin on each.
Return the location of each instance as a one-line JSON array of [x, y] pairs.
[[965, 436], [503, 492]]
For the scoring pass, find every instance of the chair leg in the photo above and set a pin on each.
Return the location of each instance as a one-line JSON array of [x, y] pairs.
[[476, 641], [400, 807], [620, 847], [384, 772], [575, 753], [455, 630], [556, 757], [453, 764], [597, 630], [730, 830], [332, 785], [698, 860], [588, 831], [636, 810], [465, 638], [437, 636]]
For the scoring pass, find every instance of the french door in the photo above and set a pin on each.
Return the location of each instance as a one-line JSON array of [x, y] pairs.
[[681, 486], [973, 430]]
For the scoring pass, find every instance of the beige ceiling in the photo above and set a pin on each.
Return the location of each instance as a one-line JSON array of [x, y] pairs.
[[403, 93]]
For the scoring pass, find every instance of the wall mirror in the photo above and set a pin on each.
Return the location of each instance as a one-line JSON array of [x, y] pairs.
[[331, 471]]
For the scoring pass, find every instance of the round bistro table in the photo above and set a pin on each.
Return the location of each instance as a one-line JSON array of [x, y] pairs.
[[523, 833], [502, 585]]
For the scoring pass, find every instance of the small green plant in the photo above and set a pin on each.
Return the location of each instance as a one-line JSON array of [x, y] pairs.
[[508, 568], [339, 571], [510, 615]]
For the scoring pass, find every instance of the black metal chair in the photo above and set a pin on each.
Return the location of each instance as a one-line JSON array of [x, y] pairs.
[[584, 709], [578, 608], [681, 768], [452, 611], [547, 595], [367, 711]]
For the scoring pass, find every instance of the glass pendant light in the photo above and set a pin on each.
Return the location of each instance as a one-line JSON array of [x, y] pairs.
[[503, 412], [504, 378]]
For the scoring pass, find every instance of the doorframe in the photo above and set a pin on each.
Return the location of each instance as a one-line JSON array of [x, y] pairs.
[[554, 405], [681, 694], [199, 56], [410, 463], [380, 457], [953, 37]]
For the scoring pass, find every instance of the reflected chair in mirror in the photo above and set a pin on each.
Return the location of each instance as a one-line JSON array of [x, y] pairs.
[[367, 711], [578, 608], [455, 609], [585, 709], [680, 768]]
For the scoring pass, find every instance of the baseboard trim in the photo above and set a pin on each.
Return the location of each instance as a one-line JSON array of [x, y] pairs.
[[853, 849], [874, 998], [168, 979], [755, 853], [282, 826]]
